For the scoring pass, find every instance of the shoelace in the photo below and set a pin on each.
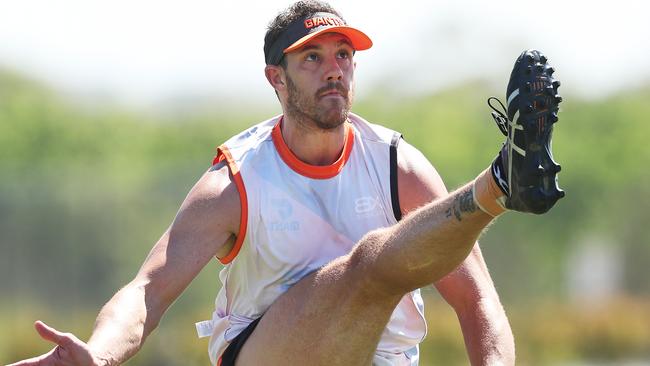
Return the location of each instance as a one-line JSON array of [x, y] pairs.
[[499, 117]]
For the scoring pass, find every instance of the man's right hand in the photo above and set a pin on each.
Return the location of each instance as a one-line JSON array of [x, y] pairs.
[[70, 351], [204, 227]]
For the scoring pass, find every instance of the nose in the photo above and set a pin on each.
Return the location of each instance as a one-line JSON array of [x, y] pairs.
[[333, 70]]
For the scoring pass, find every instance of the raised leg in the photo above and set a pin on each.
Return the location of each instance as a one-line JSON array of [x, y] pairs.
[[336, 315]]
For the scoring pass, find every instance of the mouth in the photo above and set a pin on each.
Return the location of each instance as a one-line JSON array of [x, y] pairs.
[[333, 93], [332, 90], [330, 93]]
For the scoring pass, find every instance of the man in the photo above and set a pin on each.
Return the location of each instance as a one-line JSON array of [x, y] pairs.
[[286, 201]]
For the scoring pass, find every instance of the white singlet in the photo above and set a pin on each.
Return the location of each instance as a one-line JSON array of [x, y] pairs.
[[298, 217]]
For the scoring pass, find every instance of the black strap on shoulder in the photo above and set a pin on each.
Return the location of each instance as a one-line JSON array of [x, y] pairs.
[[394, 194]]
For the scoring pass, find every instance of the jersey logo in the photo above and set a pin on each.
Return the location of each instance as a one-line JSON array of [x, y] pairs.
[[284, 210], [283, 207], [367, 206]]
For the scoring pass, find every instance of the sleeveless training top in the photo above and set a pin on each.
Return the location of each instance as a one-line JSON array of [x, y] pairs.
[[298, 217]]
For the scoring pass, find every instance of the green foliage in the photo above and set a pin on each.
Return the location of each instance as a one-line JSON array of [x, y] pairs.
[[551, 333], [546, 333], [85, 191]]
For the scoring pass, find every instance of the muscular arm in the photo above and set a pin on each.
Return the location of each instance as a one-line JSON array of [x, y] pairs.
[[469, 288], [202, 228]]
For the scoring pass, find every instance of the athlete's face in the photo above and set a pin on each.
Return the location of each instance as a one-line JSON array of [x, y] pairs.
[[320, 81]]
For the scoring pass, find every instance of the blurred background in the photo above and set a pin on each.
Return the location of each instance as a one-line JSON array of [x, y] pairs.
[[110, 111]]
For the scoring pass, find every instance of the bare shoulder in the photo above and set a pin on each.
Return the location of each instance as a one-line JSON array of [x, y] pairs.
[[202, 229], [214, 190], [212, 208], [418, 181]]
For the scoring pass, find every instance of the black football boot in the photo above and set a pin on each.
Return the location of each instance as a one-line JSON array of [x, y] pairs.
[[524, 169]]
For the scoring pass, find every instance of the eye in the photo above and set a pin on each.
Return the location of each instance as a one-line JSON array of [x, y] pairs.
[[312, 57], [344, 54]]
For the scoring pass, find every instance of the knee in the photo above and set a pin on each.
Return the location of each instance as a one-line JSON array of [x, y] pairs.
[[366, 252], [370, 243], [366, 263], [358, 265]]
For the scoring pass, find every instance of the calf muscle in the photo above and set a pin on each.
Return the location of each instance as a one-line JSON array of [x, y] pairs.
[[426, 245]]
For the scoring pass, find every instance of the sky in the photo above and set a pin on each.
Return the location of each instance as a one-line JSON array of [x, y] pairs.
[[146, 51]]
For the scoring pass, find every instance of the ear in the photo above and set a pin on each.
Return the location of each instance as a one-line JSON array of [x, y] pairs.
[[275, 76]]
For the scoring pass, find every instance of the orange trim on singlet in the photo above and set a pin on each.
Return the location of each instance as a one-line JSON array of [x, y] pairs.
[[224, 154], [308, 170]]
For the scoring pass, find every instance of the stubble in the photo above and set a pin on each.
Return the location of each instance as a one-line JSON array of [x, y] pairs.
[[326, 115]]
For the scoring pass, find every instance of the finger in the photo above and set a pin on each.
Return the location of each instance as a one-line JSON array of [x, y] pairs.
[[51, 334], [43, 360]]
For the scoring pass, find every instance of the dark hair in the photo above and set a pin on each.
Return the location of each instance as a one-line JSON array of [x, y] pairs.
[[300, 9]]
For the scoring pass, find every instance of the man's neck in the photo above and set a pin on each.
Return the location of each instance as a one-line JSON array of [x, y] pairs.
[[313, 145]]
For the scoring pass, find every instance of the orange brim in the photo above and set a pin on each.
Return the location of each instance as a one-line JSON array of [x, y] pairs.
[[360, 41]]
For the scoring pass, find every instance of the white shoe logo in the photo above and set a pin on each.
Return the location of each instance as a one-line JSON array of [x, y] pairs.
[[500, 180]]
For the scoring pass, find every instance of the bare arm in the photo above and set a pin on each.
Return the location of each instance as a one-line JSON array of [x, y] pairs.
[[203, 228], [468, 289]]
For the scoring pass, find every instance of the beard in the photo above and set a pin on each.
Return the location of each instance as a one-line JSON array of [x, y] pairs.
[[326, 115]]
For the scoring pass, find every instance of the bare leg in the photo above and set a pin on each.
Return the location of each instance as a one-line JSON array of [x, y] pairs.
[[336, 315]]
